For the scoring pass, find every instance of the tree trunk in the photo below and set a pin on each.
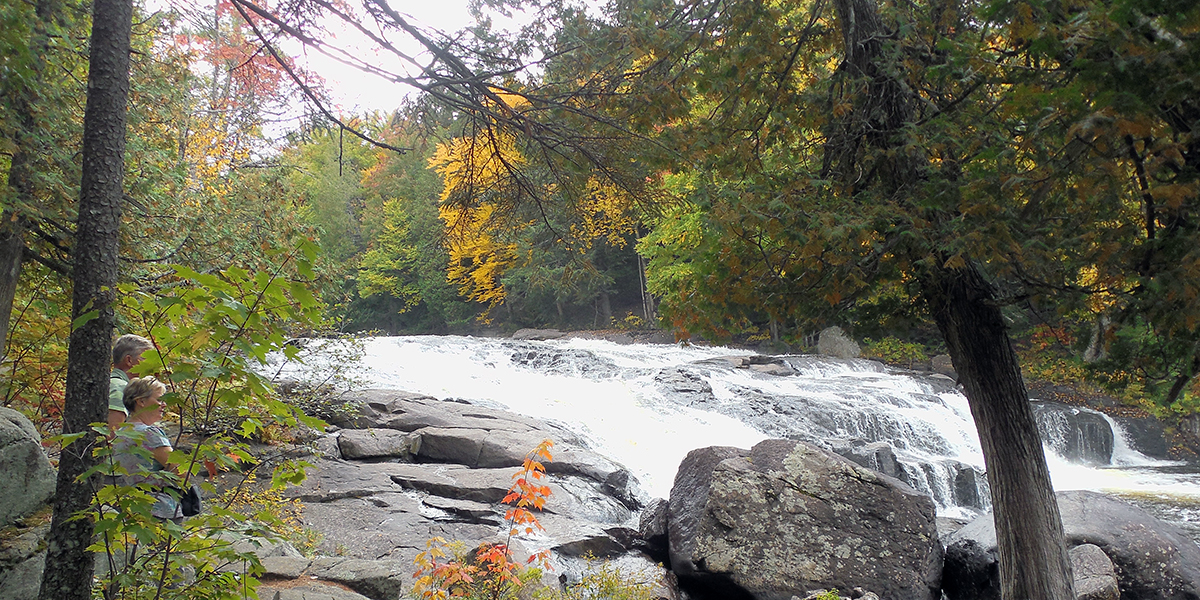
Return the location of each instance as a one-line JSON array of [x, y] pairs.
[[68, 574], [24, 101], [604, 306], [1033, 558], [12, 249]]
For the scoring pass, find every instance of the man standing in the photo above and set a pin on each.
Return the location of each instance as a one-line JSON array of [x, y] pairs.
[[127, 353]]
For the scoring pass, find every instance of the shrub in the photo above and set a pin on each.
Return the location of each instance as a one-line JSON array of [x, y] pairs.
[[603, 581], [894, 351], [444, 570], [489, 571]]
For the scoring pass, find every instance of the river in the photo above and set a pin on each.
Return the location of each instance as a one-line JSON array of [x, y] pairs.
[[646, 406]]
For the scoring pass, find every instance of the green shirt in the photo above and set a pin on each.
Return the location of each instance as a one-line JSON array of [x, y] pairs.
[[117, 380]]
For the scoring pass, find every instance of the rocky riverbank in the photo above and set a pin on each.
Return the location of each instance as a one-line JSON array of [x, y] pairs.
[[780, 520]]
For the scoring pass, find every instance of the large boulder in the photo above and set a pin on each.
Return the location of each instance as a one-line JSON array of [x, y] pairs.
[[22, 560], [538, 334], [833, 341], [1078, 434], [1095, 575], [26, 487], [1153, 560], [786, 517], [29, 479], [391, 423], [414, 468]]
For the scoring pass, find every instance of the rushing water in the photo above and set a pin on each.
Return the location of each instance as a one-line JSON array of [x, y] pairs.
[[646, 406]]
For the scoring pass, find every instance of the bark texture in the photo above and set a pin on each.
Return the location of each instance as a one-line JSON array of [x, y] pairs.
[[68, 574]]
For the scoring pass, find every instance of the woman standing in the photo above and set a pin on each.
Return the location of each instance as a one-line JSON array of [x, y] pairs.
[[144, 465]]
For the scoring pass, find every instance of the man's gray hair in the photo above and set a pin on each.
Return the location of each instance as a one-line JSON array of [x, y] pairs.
[[129, 344]]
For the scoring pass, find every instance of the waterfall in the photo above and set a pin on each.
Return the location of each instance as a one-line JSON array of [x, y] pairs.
[[646, 406]]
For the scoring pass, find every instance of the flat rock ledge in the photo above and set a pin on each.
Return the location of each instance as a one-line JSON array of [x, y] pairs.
[[401, 468]]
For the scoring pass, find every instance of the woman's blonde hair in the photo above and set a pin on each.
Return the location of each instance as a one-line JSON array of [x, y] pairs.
[[141, 387]]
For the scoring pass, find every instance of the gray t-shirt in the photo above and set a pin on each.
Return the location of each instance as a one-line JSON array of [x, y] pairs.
[[143, 469]]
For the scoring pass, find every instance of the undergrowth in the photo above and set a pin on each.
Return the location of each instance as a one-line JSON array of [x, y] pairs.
[[491, 571]]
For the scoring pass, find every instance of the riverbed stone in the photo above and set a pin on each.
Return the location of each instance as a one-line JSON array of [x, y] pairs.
[[1080, 435], [376, 443], [877, 456], [1154, 560], [538, 334], [1095, 575], [306, 590], [652, 531], [786, 517], [376, 579]]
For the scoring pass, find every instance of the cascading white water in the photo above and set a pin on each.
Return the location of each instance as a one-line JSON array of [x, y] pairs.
[[646, 406]]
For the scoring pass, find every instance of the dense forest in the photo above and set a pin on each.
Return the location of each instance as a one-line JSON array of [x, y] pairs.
[[935, 177], [226, 163]]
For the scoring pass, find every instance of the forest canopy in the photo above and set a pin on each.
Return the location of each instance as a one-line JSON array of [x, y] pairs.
[[706, 168]]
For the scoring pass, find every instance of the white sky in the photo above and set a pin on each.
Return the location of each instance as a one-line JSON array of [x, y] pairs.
[[355, 91], [351, 90]]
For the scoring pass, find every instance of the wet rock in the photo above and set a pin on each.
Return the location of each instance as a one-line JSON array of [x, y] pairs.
[[877, 456], [538, 334], [652, 531], [786, 517], [970, 487], [779, 369], [1154, 560], [1078, 434], [686, 386]]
